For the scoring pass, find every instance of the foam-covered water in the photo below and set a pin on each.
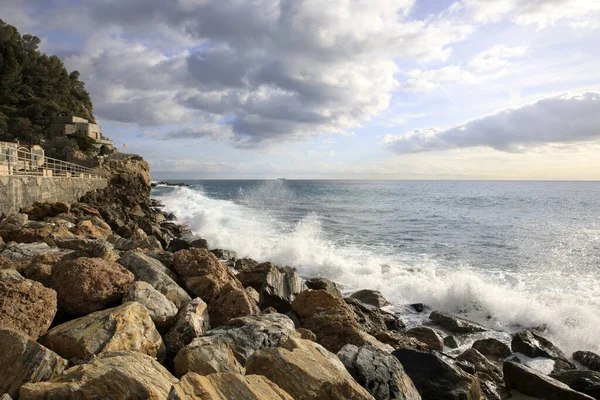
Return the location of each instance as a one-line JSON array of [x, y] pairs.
[[511, 255]]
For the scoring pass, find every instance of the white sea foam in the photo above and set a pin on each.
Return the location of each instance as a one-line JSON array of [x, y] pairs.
[[504, 300]]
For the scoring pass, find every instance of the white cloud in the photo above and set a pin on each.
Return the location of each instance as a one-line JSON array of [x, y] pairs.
[[496, 58], [563, 119]]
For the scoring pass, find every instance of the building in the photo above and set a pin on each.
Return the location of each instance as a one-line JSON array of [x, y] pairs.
[[64, 126]]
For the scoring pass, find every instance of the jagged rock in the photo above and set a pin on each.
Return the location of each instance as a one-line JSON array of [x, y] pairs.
[[587, 382], [533, 383], [231, 301], [451, 342], [150, 270], [224, 254], [534, 345], [226, 386], [192, 321], [10, 275], [31, 232], [306, 370], [207, 359], [42, 210], [111, 375], [85, 285], [93, 226], [17, 219], [307, 334], [454, 324], [491, 389], [199, 244], [492, 348], [331, 320], [178, 244], [378, 372], [481, 364], [324, 284], [244, 264], [120, 243], [203, 273], [26, 306], [399, 340], [588, 359], [27, 251], [429, 336], [243, 336], [371, 297], [436, 378], [276, 286], [24, 360], [165, 257], [161, 310], [95, 248], [126, 327], [373, 320]]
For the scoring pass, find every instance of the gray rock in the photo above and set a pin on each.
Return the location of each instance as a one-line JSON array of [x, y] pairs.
[[150, 270], [27, 251], [587, 382], [224, 254], [533, 345], [373, 320], [481, 364], [200, 244], [24, 360], [588, 359], [192, 321], [378, 372], [436, 378], [11, 275], [244, 264], [370, 297], [533, 383], [161, 310], [428, 336], [245, 335], [324, 284], [455, 324], [492, 348], [451, 342], [276, 286], [120, 243]]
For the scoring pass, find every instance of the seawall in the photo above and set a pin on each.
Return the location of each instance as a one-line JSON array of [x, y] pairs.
[[20, 191]]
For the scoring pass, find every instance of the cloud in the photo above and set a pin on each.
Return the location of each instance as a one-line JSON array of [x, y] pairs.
[[563, 119]]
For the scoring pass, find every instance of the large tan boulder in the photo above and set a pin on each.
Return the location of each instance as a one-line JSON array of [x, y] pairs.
[[126, 327], [192, 321], [93, 227], [115, 375], [226, 386], [161, 310], [30, 232], [85, 285], [209, 358], [232, 301], [23, 360], [38, 211], [203, 273], [26, 306], [306, 370]]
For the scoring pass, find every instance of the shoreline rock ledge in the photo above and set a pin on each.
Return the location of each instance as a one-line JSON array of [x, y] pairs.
[[108, 298]]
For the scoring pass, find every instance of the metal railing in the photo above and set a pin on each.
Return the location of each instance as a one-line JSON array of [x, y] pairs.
[[15, 161]]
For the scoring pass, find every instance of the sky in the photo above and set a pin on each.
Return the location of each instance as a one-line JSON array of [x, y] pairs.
[[337, 89]]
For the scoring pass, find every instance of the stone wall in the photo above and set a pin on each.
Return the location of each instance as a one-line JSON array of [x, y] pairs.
[[20, 191]]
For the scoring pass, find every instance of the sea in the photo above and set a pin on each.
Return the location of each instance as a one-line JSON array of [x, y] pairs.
[[510, 255]]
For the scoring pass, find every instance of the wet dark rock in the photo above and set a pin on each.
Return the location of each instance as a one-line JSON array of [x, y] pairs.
[[533, 383], [436, 378], [481, 364], [588, 359], [374, 320], [178, 244], [492, 348], [378, 372], [224, 254], [418, 307], [587, 382], [455, 324], [451, 342], [533, 345], [244, 264], [371, 297], [324, 284], [427, 335], [199, 244], [466, 366]]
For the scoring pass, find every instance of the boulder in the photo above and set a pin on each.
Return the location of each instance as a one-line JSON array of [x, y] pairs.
[[454, 324], [203, 273], [399, 340], [324, 284], [451, 342], [533, 383], [311, 302], [587, 382], [243, 336], [307, 334], [429, 336], [199, 244], [231, 301], [226, 255], [28, 251], [229, 386], [85, 285], [93, 227], [95, 248], [378, 372], [306, 370], [588, 359], [373, 320], [192, 321], [126, 327], [17, 219], [492, 348], [150, 270], [533, 345], [26, 306], [244, 264], [161, 310], [370, 297], [178, 244], [120, 243], [276, 286], [210, 358], [481, 364], [435, 378], [111, 375], [42, 210], [39, 272], [24, 360]]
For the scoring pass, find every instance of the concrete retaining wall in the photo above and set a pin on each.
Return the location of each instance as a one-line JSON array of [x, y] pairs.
[[21, 191]]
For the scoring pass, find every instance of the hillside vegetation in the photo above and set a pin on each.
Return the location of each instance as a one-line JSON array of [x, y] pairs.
[[35, 87]]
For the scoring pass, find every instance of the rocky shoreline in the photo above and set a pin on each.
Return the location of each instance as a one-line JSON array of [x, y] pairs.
[[110, 298]]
